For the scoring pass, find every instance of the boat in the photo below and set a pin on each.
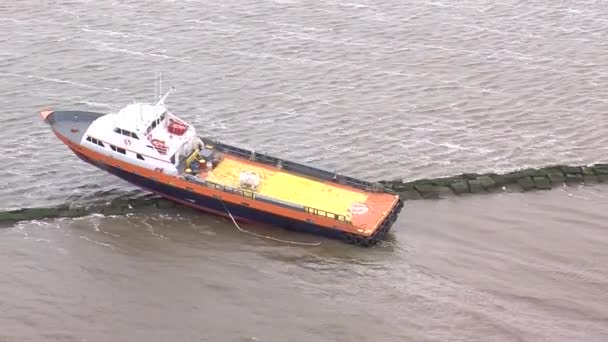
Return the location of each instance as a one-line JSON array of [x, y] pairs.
[[146, 144]]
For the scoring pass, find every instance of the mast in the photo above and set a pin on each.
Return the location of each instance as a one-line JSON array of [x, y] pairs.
[[162, 100], [155, 92]]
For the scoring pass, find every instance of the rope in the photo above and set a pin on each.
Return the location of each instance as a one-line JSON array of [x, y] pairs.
[[264, 236]]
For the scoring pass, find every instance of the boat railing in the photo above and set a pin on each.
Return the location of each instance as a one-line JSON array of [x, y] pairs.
[[328, 214], [258, 197], [296, 167]]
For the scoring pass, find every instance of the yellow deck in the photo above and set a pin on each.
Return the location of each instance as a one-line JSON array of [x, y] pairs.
[[288, 187]]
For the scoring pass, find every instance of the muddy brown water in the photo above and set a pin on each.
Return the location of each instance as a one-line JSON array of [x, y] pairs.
[[377, 90]]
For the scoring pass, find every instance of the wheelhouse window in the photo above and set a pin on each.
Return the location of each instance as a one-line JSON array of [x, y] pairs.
[[118, 149], [156, 123], [126, 133], [95, 141]]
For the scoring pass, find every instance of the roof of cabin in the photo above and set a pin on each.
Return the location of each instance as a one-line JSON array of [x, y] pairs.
[[137, 117]]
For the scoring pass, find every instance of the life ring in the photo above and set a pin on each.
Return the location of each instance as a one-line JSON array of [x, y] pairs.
[[158, 169], [127, 142]]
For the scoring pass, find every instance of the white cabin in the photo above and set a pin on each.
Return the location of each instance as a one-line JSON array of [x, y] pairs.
[[145, 135]]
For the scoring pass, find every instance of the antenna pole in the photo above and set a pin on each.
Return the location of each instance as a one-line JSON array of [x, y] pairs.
[[162, 100]]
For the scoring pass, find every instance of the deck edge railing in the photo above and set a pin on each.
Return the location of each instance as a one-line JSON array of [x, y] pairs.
[[255, 196], [299, 168]]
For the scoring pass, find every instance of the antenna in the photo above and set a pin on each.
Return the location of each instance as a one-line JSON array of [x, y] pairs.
[[155, 94], [162, 100], [160, 84]]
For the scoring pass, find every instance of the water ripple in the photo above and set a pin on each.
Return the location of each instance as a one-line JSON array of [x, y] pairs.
[[379, 90]]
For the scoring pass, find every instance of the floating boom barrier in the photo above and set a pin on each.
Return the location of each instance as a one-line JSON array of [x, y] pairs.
[[468, 183]]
